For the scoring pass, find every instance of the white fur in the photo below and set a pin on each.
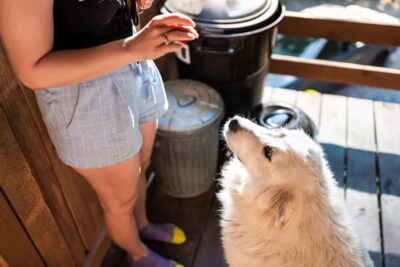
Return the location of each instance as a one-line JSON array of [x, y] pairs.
[[285, 212]]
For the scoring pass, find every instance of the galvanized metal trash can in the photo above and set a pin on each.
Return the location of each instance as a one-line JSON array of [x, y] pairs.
[[186, 149]]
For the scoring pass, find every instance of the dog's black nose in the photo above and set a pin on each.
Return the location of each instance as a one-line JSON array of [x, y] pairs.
[[234, 125]]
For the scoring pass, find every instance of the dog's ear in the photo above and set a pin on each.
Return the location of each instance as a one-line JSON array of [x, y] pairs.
[[280, 207]]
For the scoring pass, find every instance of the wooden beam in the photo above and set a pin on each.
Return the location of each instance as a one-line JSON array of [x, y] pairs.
[[298, 24], [337, 72]]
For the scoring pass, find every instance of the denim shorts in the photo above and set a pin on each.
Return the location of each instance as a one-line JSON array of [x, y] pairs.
[[95, 123]]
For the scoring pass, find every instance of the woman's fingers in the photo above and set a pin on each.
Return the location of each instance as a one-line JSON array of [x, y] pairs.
[[172, 47], [163, 35], [173, 36], [162, 29], [165, 29], [171, 20], [170, 34], [185, 29]]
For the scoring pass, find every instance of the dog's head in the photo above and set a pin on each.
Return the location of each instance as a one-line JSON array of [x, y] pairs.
[[278, 156], [283, 161]]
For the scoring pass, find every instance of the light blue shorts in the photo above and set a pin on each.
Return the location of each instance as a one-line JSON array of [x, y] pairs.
[[96, 123]]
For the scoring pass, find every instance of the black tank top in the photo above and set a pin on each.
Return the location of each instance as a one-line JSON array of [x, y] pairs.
[[86, 23]]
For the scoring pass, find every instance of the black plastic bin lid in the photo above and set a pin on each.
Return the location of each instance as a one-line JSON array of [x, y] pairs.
[[275, 115], [221, 11]]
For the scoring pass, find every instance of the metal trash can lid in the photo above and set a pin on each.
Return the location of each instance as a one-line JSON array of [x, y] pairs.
[[192, 107]]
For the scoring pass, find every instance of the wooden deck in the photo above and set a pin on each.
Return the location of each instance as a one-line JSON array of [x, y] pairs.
[[362, 141]]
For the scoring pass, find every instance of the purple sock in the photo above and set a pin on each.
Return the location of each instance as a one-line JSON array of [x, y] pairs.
[[152, 260], [161, 232]]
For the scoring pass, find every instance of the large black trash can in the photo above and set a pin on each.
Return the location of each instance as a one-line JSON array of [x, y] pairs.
[[232, 53]]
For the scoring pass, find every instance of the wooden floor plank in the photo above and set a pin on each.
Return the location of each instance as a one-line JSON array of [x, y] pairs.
[[332, 133], [361, 188], [114, 257], [266, 96], [160, 208], [284, 95], [191, 215], [210, 252], [388, 132], [310, 103]]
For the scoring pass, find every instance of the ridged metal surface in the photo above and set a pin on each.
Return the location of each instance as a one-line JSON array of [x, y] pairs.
[[186, 165]]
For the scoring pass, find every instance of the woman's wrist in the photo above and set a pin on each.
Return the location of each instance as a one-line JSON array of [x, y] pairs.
[[130, 51]]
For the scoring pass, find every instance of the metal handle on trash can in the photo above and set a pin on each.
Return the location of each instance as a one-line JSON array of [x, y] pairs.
[[230, 49], [186, 101], [211, 50]]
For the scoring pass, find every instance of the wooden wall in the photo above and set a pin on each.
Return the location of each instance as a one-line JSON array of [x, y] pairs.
[[49, 216]]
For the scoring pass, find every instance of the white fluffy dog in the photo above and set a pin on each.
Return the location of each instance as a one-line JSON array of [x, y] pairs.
[[279, 203]]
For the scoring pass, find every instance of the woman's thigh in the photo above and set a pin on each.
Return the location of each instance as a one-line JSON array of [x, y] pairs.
[[115, 185], [148, 131]]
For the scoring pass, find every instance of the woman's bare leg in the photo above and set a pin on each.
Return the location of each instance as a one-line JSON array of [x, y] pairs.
[[148, 131], [116, 187]]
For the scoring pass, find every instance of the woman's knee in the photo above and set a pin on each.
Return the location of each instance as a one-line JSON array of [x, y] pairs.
[[116, 186]]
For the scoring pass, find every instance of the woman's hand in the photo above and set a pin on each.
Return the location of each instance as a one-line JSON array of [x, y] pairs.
[[161, 36]]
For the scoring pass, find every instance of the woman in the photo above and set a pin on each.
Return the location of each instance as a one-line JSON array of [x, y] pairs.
[[100, 94]]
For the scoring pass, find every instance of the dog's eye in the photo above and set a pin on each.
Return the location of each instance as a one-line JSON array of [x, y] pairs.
[[268, 152]]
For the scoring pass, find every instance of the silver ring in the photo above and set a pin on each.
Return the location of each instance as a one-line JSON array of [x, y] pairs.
[[166, 41]]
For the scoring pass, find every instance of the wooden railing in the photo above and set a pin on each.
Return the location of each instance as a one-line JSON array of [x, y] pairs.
[[297, 24]]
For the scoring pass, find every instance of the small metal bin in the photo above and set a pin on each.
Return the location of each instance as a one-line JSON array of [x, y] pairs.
[[186, 148]]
